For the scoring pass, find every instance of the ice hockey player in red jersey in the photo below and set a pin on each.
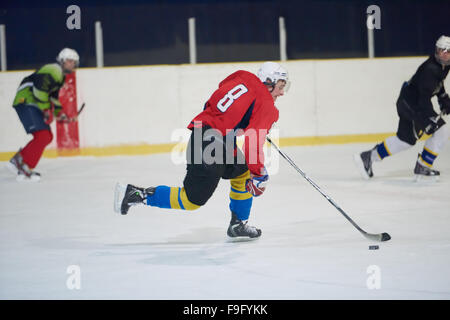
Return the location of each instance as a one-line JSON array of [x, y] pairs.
[[244, 104]]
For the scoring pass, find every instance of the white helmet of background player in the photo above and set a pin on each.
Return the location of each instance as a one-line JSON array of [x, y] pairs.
[[68, 54], [271, 72], [443, 49]]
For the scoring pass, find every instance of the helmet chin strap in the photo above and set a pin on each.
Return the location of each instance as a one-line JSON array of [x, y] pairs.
[[444, 63], [65, 71], [270, 86]]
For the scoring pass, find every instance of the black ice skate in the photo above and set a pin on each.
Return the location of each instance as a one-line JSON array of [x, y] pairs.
[[21, 169], [364, 163], [239, 229], [126, 196], [424, 172]]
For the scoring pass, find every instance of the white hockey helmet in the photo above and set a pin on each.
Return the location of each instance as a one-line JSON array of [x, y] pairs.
[[443, 43], [271, 72], [68, 54]]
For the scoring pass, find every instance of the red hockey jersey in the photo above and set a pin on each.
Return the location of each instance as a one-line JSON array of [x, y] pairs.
[[242, 101]]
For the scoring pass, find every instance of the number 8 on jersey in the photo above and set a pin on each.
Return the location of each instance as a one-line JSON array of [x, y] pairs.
[[231, 95]]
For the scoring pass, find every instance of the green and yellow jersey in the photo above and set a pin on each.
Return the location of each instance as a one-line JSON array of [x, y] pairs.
[[42, 88]]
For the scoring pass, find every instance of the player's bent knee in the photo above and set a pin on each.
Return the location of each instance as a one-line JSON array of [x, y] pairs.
[[188, 205], [196, 202], [44, 136], [182, 201], [196, 194]]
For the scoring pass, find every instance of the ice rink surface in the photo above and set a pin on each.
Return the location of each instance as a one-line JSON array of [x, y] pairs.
[[308, 250]]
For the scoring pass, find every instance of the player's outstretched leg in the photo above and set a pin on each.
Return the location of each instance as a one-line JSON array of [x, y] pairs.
[[364, 163], [128, 195], [240, 229], [422, 170]]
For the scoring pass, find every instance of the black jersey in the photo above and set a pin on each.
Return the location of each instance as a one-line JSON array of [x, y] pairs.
[[427, 82]]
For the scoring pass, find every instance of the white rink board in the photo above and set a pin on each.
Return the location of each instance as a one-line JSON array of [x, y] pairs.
[[135, 105]]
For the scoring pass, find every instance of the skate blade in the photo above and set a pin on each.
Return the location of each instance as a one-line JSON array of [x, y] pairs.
[[240, 239], [24, 178], [12, 168], [360, 165], [119, 194], [420, 178]]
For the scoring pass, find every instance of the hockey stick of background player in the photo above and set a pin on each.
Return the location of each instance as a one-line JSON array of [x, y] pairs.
[[374, 237], [81, 109], [76, 117]]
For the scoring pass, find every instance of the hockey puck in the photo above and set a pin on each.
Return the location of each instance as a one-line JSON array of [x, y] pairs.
[[374, 247]]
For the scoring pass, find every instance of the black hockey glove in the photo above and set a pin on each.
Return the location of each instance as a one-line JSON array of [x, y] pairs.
[[48, 116], [444, 103], [433, 125], [425, 124], [62, 117]]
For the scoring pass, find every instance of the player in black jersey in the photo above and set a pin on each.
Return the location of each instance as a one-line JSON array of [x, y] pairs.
[[417, 116]]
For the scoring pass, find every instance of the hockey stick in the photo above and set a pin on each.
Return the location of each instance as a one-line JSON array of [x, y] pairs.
[[73, 119], [81, 109], [374, 237]]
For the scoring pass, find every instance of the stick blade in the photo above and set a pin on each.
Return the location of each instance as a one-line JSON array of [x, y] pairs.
[[385, 237], [380, 237]]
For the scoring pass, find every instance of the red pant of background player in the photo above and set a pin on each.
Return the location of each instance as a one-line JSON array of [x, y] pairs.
[[34, 123], [32, 152]]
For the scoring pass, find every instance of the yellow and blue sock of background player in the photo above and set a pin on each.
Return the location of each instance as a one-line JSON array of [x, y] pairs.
[[383, 150], [240, 199], [428, 157]]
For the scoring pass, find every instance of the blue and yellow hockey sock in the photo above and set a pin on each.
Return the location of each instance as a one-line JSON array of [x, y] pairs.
[[240, 199], [391, 145], [382, 150], [427, 157], [170, 198]]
